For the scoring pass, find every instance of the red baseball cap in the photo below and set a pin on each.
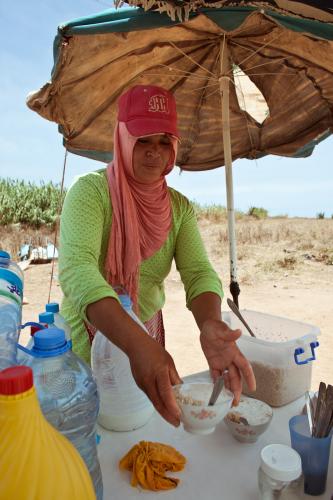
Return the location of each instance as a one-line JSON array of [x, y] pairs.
[[147, 110]]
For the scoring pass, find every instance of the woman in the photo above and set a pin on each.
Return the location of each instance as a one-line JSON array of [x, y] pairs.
[[123, 227]]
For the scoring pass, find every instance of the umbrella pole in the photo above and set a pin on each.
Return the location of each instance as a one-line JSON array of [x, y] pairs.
[[224, 92]]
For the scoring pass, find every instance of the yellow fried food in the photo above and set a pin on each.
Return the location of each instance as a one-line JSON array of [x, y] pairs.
[[149, 462]]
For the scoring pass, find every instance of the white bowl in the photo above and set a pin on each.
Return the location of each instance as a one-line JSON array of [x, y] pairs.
[[249, 419], [197, 417]]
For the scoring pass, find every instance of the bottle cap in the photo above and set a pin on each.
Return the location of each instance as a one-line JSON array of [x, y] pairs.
[[125, 301], [46, 317], [4, 254], [52, 307], [15, 380], [281, 462], [49, 339]]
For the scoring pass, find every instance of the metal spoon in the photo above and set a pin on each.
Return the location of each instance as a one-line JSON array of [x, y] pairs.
[[236, 311], [218, 386]]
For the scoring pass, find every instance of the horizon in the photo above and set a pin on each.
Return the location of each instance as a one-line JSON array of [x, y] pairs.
[[31, 147]]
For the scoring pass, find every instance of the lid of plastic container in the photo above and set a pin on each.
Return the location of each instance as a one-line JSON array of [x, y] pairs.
[[46, 317], [125, 301], [8, 275], [281, 462], [15, 380], [52, 307], [50, 342], [4, 255]]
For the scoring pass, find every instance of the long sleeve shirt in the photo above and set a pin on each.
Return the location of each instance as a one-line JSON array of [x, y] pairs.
[[84, 235]]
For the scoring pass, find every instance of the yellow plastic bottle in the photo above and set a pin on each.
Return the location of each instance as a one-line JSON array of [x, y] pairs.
[[36, 461]]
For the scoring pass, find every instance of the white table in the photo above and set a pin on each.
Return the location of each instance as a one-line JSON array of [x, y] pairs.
[[218, 466]]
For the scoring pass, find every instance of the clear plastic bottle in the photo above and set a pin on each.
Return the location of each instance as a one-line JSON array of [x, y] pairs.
[[68, 395], [123, 405], [280, 473], [34, 327], [11, 295], [46, 319], [36, 461], [59, 320], [7, 263]]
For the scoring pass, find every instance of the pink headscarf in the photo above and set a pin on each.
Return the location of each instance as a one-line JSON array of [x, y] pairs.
[[142, 216]]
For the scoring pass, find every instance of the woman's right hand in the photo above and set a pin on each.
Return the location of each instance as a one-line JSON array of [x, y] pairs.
[[155, 373], [152, 366]]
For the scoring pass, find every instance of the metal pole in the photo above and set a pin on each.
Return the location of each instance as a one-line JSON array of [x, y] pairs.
[[225, 70]]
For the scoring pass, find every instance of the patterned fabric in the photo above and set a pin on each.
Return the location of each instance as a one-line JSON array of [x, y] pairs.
[[142, 215], [155, 327]]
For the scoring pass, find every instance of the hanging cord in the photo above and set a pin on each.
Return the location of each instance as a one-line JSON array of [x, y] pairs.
[[57, 222]]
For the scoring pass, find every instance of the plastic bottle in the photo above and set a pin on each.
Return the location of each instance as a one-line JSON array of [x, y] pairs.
[[34, 327], [36, 461], [46, 319], [280, 473], [59, 320], [123, 406], [10, 265], [67, 394], [11, 295]]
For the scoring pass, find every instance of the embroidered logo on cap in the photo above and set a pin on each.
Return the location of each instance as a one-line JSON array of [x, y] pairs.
[[158, 104]]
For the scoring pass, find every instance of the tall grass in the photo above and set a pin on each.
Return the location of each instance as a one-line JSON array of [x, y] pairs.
[[26, 203]]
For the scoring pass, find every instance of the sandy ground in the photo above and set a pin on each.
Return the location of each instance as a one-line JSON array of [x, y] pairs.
[[305, 297]]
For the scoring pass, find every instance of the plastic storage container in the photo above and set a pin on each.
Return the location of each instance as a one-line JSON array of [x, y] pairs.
[[11, 295], [123, 406], [280, 473], [59, 320], [67, 394], [36, 461], [281, 355]]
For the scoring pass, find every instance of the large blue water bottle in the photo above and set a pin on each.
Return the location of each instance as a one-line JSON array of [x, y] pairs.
[[11, 295], [67, 394]]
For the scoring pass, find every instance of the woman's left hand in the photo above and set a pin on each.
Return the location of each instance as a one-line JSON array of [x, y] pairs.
[[218, 343]]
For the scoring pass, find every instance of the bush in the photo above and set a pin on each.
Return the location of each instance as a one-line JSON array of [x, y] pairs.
[[258, 212], [321, 215], [29, 204]]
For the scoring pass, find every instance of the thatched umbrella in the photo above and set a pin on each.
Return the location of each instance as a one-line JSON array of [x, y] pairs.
[[288, 59]]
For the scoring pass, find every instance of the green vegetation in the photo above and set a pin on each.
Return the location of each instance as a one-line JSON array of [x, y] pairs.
[[215, 213], [321, 215], [258, 212], [26, 203]]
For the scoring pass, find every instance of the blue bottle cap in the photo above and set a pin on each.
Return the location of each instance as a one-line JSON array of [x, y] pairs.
[[4, 254], [46, 317], [50, 342], [125, 301], [52, 307]]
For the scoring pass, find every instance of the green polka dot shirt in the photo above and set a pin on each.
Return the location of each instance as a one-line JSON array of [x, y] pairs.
[[84, 235]]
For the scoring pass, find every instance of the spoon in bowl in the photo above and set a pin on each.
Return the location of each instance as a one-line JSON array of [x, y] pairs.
[[218, 386], [236, 311]]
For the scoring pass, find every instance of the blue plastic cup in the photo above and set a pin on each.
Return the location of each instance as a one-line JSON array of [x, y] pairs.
[[314, 452]]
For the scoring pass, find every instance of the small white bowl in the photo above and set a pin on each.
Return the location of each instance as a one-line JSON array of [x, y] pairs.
[[197, 417], [249, 419]]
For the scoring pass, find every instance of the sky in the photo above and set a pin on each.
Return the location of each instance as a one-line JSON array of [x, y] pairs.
[[31, 147]]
